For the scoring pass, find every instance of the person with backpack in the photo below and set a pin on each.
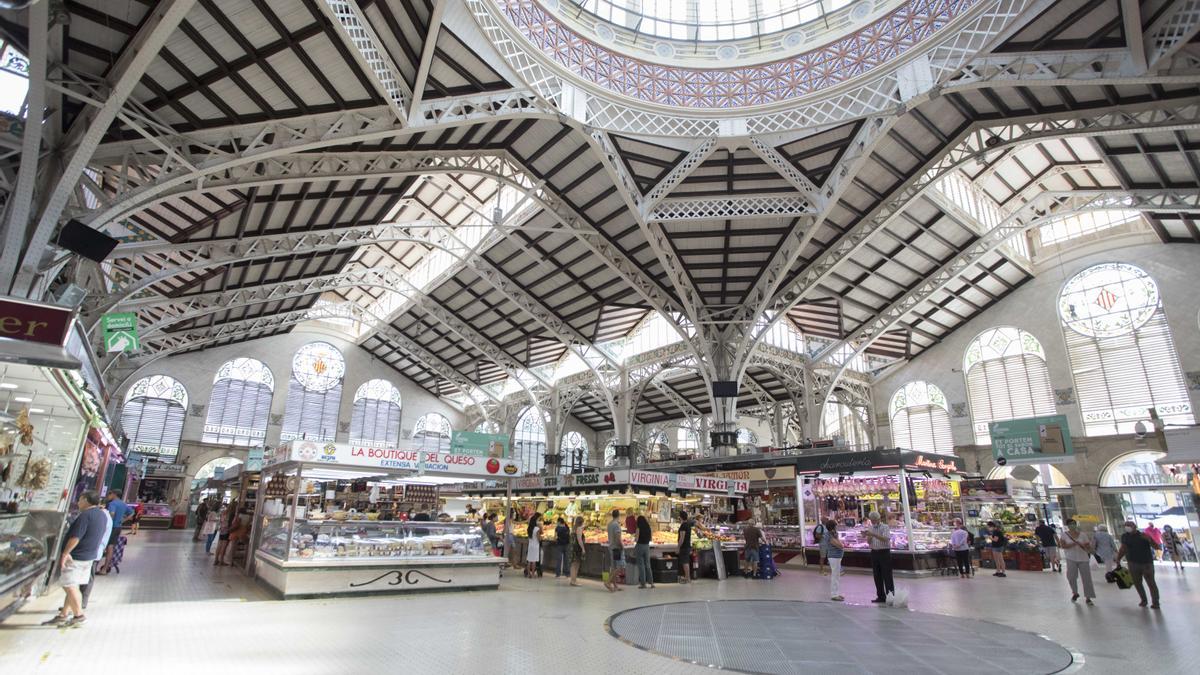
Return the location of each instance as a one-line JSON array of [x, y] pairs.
[[822, 547], [960, 544]]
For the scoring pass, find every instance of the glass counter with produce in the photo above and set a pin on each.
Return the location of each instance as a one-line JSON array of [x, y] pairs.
[[309, 545], [156, 516]]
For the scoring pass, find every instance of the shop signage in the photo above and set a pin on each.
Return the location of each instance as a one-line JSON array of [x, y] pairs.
[[1033, 440], [841, 462], [635, 478], [918, 461], [345, 454], [254, 460], [480, 445], [120, 332], [34, 321], [757, 475], [166, 470]]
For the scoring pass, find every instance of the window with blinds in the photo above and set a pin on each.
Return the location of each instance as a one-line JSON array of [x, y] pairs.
[[432, 432], [314, 393], [1122, 356], [920, 419], [153, 414], [529, 441], [1007, 379], [240, 403], [376, 416]]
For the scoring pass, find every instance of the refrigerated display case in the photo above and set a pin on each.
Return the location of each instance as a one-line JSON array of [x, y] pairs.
[[156, 517]]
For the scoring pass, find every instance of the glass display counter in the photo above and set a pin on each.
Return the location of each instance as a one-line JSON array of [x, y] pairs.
[[304, 550], [25, 539], [156, 517]]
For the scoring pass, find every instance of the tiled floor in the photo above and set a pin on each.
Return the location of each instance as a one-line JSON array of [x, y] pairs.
[[170, 611]]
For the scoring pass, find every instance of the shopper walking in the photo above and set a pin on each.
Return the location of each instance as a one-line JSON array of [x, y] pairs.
[[84, 537], [562, 544], [1077, 549], [229, 516], [85, 590], [201, 516], [1104, 547], [533, 555], [997, 542], [1139, 548], [879, 537], [510, 541], [576, 548], [616, 551], [641, 553], [1048, 538], [835, 549], [119, 510], [960, 544], [212, 523], [1172, 547], [685, 548]]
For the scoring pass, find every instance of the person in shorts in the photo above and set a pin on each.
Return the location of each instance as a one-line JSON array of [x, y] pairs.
[[616, 550], [1049, 541], [685, 547], [753, 537], [84, 538]]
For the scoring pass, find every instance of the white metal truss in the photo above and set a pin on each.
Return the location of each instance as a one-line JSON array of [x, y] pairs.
[[171, 260], [972, 145], [685, 406], [678, 173], [736, 207], [1040, 207], [1175, 26], [427, 52], [1069, 67], [355, 30], [248, 328], [808, 190], [85, 134], [761, 296]]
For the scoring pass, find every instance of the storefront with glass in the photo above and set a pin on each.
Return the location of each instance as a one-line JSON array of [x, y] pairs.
[[1135, 486]]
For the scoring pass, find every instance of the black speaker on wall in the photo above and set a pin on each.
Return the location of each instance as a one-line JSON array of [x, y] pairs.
[[87, 242]]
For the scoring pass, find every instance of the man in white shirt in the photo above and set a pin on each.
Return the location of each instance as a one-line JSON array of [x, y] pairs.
[[879, 538]]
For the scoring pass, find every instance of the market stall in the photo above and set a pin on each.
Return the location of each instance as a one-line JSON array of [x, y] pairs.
[[658, 496], [1016, 505], [47, 408], [311, 539], [917, 493]]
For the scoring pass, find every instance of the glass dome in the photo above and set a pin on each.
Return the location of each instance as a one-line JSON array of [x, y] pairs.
[[708, 20]]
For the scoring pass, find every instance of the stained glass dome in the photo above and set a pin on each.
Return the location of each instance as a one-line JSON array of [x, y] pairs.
[[1108, 299], [707, 20]]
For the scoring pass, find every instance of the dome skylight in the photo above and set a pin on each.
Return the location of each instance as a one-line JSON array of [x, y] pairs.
[[708, 20]]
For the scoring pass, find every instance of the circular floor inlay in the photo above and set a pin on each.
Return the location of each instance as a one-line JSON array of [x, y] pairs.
[[775, 636]]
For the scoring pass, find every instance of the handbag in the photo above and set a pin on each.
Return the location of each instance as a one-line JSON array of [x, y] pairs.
[[1099, 560], [616, 555]]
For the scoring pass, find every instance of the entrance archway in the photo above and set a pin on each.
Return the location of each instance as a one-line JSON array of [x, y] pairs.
[[1136, 486]]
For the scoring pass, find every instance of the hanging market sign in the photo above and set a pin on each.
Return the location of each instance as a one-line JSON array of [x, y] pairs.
[[345, 454], [34, 321], [480, 445], [1033, 440], [633, 478], [756, 475], [254, 459], [120, 332], [919, 461]]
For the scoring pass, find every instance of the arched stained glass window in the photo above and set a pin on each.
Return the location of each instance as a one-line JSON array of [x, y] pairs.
[[574, 449], [376, 416], [529, 440], [432, 432], [687, 441], [610, 453], [1007, 378], [920, 419], [314, 393], [487, 427], [657, 446], [153, 413], [240, 404], [1122, 355]]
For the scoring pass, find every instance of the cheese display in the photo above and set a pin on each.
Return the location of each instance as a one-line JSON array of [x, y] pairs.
[[371, 539]]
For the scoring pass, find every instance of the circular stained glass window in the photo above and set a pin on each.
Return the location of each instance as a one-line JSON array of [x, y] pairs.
[[1108, 299], [318, 366]]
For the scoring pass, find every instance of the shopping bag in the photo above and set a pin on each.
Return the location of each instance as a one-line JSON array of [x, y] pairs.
[[898, 598], [1119, 576]]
